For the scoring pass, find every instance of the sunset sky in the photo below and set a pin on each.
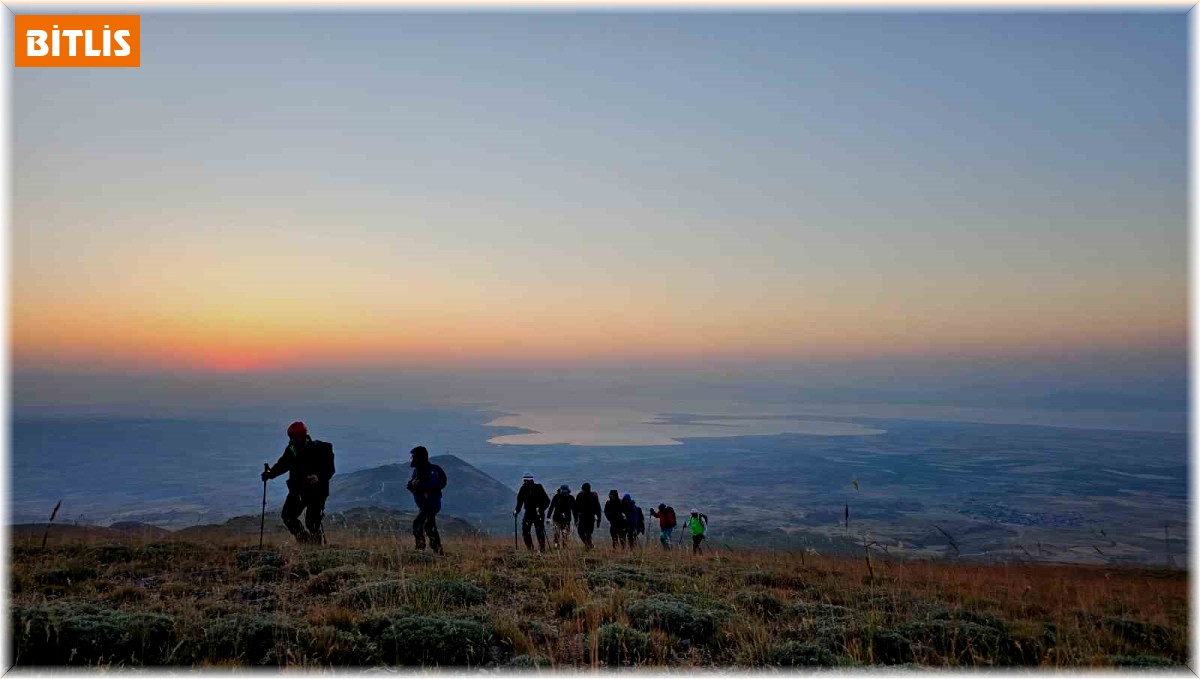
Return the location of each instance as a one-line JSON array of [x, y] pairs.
[[357, 191]]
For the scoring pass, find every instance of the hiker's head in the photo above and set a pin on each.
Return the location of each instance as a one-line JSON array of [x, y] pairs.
[[564, 488], [662, 506], [627, 498], [528, 478], [695, 512], [297, 432], [587, 488], [419, 456], [612, 494]]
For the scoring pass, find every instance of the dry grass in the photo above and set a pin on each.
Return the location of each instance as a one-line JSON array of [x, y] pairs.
[[217, 601]]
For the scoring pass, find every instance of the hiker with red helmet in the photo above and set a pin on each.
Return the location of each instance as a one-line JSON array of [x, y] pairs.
[[309, 465]]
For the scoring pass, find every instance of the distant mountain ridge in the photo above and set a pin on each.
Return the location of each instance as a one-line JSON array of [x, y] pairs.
[[470, 493]]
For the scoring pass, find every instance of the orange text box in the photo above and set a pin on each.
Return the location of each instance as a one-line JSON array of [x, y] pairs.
[[74, 40]]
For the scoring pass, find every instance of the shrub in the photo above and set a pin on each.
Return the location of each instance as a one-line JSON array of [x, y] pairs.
[[621, 645], [763, 604], [334, 579], [771, 579], [1146, 636], [796, 654], [111, 553], [335, 647], [249, 639], [674, 616], [429, 640], [252, 558], [86, 635], [67, 575], [967, 643], [1141, 661], [331, 558], [888, 647], [620, 575], [529, 661], [429, 594]]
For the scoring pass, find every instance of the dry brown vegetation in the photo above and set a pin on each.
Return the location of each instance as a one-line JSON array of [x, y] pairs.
[[218, 600]]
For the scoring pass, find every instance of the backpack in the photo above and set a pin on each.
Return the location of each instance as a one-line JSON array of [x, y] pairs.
[[670, 512], [441, 474]]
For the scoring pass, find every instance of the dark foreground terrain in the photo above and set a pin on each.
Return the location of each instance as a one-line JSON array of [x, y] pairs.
[[212, 598]]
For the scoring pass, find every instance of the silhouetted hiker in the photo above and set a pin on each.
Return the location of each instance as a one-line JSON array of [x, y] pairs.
[[587, 514], [616, 518], [533, 498], [562, 510], [426, 485], [309, 465], [666, 523], [635, 521], [697, 524]]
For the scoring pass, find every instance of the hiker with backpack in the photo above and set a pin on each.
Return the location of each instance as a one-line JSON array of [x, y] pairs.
[[666, 523], [587, 514], [533, 498], [697, 525], [635, 521], [426, 485], [562, 510], [616, 518], [309, 465]]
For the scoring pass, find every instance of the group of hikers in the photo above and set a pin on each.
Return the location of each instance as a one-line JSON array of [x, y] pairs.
[[309, 465], [625, 518]]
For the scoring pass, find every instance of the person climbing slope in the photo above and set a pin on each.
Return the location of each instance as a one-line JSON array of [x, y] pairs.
[[616, 518], [427, 482], [562, 510], [309, 465], [697, 526], [587, 514], [666, 523], [533, 498]]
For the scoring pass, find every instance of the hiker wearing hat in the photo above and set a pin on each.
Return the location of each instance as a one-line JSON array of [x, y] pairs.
[[562, 510], [534, 499], [635, 521], [426, 485], [309, 465], [666, 523], [616, 518], [587, 514], [697, 524]]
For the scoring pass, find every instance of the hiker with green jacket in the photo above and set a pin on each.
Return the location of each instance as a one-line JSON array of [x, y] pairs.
[[697, 525], [309, 465]]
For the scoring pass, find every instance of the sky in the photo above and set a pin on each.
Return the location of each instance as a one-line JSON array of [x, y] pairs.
[[357, 193]]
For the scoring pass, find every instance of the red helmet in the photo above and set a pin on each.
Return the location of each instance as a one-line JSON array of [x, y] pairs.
[[297, 428]]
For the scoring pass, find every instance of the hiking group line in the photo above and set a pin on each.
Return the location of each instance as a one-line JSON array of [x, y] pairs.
[[309, 465]]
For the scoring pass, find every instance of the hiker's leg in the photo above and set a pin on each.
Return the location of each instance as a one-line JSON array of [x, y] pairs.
[[313, 516], [292, 506], [695, 544], [435, 540], [662, 538], [540, 526], [700, 543], [418, 529], [526, 525]]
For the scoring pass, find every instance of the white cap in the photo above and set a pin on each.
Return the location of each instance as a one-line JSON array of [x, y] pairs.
[[695, 511], [528, 475]]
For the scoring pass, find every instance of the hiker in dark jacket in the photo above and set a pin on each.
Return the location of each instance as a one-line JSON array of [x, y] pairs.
[[426, 485], [309, 465], [534, 499], [616, 518], [666, 523], [562, 510], [635, 521], [587, 514]]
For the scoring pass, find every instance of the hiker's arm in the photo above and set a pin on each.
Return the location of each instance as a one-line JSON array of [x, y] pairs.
[[281, 466], [520, 501]]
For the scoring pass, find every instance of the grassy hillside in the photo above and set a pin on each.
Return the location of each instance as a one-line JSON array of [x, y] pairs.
[[213, 598]]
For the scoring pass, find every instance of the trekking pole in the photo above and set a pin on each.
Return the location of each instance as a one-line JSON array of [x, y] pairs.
[[262, 522]]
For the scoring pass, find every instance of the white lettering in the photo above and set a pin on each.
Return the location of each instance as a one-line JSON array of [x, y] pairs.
[[35, 43], [71, 35], [123, 50]]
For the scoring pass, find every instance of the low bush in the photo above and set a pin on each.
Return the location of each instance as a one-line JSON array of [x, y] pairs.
[[88, 635], [621, 645], [438, 641], [673, 616]]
